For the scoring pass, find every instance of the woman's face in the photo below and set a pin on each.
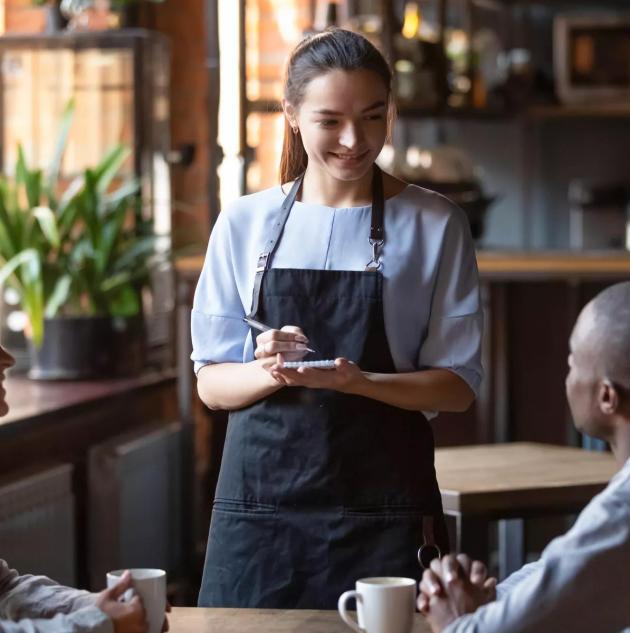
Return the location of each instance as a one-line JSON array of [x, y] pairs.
[[6, 361], [343, 122]]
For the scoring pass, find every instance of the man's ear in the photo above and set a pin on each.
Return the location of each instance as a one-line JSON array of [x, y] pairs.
[[608, 397]]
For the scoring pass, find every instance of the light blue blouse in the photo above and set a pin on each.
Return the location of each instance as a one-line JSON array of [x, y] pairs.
[[431, 300]]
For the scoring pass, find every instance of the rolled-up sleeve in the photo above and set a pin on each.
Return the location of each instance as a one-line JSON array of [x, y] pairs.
[[36, 604], [453, 337], [217, 327]]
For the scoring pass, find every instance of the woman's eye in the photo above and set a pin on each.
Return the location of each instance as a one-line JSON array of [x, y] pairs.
[[374, 117], [327, 122]]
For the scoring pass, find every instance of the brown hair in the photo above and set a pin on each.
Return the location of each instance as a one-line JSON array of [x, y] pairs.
[[334, 49]]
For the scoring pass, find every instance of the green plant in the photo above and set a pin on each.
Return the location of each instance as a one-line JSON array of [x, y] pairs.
[[116, 4], [86, 251]]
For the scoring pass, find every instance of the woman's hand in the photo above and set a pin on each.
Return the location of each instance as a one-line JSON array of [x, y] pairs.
[[288, 341], [343, 378]]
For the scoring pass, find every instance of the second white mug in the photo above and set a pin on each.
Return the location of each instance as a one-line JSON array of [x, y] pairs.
[[384, 605], [150, 584]]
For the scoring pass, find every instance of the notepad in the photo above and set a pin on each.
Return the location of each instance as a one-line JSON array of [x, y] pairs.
[[315, 364]]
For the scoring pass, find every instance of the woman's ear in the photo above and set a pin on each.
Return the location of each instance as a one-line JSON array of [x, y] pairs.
[[608, 397], [290, 114]]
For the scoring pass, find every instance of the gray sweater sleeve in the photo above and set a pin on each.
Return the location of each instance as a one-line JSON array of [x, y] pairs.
[[36, 604], [580, 582]]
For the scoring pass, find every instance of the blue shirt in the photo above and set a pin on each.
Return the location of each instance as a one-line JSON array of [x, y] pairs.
[[431, 304], [579, 584]]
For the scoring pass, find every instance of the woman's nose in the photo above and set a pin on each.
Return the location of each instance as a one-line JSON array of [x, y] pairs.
[[351, 135]]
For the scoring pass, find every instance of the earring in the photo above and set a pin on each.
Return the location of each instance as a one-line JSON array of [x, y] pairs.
[[295, 129]]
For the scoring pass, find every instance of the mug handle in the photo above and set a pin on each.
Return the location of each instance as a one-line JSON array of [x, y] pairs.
[[343, 612]]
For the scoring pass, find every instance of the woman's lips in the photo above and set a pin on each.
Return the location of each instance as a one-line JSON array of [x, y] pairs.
[[350, 158]]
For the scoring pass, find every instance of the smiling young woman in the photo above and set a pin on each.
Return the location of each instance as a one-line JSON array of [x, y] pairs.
[[327, 475]]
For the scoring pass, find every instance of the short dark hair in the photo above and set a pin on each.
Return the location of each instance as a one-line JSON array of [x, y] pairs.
[[611, 313], [333, 49]]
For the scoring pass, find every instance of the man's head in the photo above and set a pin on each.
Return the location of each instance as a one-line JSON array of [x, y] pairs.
[[598, 383]]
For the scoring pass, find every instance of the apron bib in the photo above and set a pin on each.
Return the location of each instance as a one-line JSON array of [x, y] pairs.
[[319, 488]]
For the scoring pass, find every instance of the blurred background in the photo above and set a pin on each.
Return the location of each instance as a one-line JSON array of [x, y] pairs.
[[125, 127]]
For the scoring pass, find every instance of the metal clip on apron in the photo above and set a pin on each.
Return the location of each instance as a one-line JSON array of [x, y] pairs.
[[318, 488]]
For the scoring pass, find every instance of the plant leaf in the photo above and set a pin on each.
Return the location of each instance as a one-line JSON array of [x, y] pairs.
[[110, 165], [52, 175], [125, 302], [27, 257], [59, 296], [48, 224]]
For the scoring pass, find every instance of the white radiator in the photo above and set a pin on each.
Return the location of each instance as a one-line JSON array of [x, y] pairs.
[[134, 514], [37, 532]]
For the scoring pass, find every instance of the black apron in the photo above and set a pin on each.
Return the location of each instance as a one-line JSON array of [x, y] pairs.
[[319, 488]]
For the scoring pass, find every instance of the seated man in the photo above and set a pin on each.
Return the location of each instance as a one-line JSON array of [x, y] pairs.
[[582, 581], [61, 609]]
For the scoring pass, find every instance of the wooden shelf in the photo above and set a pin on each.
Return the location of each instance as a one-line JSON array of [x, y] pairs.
[[534, 112], [263, 106], [610, 110]]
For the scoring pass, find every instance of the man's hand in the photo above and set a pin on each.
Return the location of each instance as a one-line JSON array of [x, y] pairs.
[[128, 617], [452, 587]]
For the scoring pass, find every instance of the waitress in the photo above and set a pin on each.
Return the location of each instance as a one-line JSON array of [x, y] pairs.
[[328, 475]]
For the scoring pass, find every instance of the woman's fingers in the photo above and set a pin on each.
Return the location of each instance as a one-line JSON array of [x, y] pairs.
[[289, 340]]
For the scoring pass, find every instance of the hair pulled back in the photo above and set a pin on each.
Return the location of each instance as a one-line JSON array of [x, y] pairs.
[[333, 49]]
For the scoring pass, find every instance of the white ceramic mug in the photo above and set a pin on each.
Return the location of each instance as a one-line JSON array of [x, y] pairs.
[[150, 585], [384, 605]]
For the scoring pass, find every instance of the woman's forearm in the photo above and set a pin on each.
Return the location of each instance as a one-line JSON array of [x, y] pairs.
[[427, 390], [234, 385]]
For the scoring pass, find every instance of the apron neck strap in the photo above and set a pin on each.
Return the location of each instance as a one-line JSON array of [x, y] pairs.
[[377, 233], [264, 259]]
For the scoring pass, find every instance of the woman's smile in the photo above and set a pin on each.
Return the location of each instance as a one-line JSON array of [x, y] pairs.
[[350, 160]]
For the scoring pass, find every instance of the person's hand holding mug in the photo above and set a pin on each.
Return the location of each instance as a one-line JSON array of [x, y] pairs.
[[127, 617], [146, 586]]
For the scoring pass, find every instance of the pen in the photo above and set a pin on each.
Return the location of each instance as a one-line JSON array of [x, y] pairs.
[[261, 327]]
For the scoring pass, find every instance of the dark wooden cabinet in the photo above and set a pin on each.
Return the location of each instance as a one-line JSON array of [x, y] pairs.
[[61, 423]]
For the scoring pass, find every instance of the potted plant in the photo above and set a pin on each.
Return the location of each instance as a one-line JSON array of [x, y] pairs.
[[60, 12], [55, 20], [79, 259]]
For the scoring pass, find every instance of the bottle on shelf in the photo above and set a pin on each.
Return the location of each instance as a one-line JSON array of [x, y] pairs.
[[416, 66]]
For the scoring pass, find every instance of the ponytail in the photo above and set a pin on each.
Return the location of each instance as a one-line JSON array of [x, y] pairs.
[[294, 158]]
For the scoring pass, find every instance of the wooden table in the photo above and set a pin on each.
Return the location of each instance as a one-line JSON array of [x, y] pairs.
[[193, 620], [515, 481]]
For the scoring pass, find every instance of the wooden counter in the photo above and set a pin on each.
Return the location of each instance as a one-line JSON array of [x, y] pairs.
[[36, 402], [517, 265], [535, 266]]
